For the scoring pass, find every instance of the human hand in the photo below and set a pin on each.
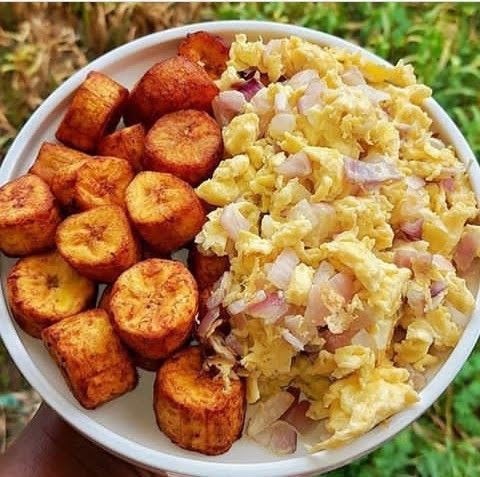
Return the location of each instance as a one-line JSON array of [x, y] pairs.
[[49, 447]]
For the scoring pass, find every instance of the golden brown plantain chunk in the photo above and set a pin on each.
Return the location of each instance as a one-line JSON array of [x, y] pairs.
[[102, 181], [153, 306], [54, 158], [28, 216], [43, 289], [209, 51], [95, 365], [171, 85], [206, 269], [94, 111], [186, 143], [164, 209], [127, 143], [195, 410], [98, 243]]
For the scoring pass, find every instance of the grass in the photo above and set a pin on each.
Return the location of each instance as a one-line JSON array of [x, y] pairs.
[[41, 45]]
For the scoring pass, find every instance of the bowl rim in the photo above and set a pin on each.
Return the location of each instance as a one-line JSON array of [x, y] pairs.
[[159, 460]]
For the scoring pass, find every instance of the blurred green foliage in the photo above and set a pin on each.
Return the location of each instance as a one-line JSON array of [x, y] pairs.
[[40, 45]]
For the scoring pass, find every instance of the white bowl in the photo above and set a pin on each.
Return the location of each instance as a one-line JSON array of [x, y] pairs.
[[127, 426]]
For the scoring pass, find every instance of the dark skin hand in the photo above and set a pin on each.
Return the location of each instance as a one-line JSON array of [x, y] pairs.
[[49, 447]]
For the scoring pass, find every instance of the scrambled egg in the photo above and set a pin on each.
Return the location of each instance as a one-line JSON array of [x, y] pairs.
[[335, 161]]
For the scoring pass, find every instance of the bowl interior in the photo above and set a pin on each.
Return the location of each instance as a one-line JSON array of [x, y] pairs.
[[127, 425]]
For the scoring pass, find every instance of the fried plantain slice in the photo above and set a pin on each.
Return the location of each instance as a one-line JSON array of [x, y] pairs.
[[187, 144], [94, 111], [92, 359], [164, 209], [53, 158], [102, 181], [153, 306], [127, 143], [173, 84], [43, 289], [28, 216], [98, 243], [209, 51], [206, 269], [196, 411]]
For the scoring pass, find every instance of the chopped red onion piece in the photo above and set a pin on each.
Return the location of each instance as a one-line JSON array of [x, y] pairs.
[[352, 76], [302, 78], [271, 309], [227, 105], [206, 327], [219, 291], [437, 287], [296, 417], [293, 340], [280, 103], [282, 123], [260, 102], [232, 342], [237, 306], [413, 230], [369, 173], [268, 412], [416, 301], [324, 272], [374, 95], [342, 283], [295, 165], [280, 438], [233, 221], [448, 184], [414, 182], [250, 88], [466, 250], [312, 96], [335, 341], [282, 269], [363, 338]]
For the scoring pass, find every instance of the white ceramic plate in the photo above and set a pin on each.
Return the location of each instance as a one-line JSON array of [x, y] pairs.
[[127, 426]]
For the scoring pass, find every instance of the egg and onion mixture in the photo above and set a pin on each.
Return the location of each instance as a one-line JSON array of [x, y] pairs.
[[341, 213]]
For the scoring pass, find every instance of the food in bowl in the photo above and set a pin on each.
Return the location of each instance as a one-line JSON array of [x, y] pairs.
[[96, 366], [343, 216], [330, 268]]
